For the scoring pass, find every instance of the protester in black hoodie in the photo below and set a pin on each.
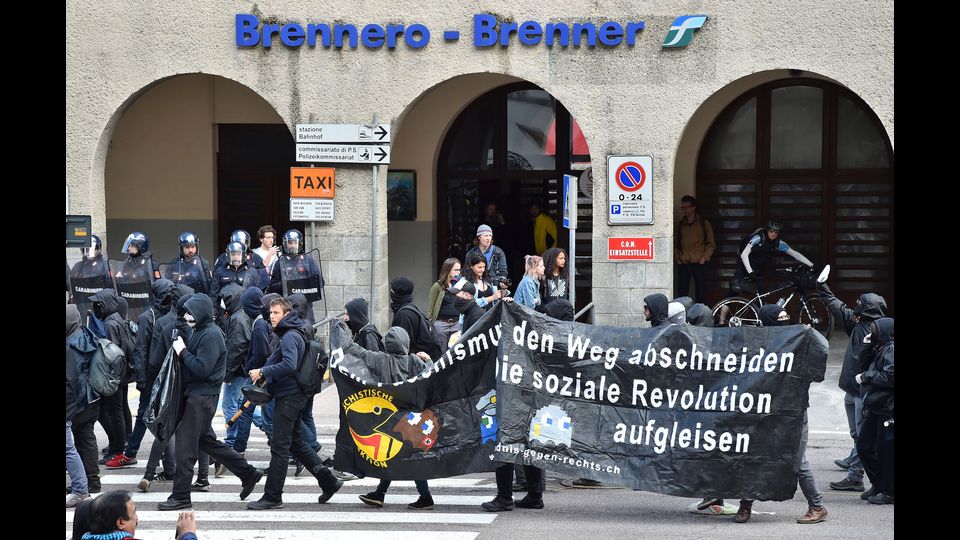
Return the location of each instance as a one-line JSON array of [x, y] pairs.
[[875, 443], [280, 372], [656, 308], [700, 315], [204, 365], [464, 293], [107, 308], [365, 333], [260, 336], [856, 323], [773, 315], [308, 428]]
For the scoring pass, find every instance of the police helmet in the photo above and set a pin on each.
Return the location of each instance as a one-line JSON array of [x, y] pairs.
[[290, 236], [137, 239], [241, 236], [93, 249], [189, 238]]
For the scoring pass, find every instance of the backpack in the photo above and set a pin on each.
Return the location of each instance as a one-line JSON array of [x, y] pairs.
[[104, 368], [312, 366], [428, 341]]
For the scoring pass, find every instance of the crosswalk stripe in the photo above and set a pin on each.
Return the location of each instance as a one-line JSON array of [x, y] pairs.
[[306, 534], [296, 498], [206, 516], [230, 480]]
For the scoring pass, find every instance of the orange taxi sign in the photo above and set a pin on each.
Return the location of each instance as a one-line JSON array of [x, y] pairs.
[[312, 182]]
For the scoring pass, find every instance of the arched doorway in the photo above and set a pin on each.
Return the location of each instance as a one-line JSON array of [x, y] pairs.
[[814, 156], [511, 147], [196, 152]]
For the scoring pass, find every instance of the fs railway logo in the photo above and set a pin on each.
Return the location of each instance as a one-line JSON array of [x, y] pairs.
[[681, 31]]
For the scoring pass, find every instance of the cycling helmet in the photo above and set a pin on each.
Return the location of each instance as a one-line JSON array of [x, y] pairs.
[[290, 236], [241, 236], [94, 249], [774, 226], [137, 239]]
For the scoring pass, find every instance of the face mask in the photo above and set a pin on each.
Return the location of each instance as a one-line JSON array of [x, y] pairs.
[[461, 304], [99, 311], [191, 322]]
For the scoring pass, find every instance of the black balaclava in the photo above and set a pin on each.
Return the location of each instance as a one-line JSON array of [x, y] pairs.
[[769, 314], [401, 292]]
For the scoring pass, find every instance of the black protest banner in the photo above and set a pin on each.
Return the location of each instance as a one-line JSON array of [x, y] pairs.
[[438, 423], [679, 410]]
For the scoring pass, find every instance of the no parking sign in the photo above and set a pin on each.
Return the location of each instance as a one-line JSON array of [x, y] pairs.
[[630, 190]]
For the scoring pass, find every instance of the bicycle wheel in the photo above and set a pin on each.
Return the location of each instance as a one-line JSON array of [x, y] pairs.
[[813, 311], [735, 311]]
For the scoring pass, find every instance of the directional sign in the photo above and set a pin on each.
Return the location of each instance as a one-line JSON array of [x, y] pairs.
[[378, 154], [355, 133], [312, 182], [311, 209], [630, 190]]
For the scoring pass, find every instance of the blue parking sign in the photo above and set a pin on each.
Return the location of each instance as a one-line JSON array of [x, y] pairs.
[[615, 209]]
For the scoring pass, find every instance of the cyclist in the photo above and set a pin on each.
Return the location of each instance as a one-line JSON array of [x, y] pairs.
[[763, 244]]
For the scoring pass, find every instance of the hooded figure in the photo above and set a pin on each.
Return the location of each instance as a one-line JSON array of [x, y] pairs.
[[676, 313], [238, 327], [74, 405], [145, 324], [205, 358], [657, 305], [773, 315], [365, 334], [302, 307], [393, 365], [561, 310], [411, 318], [876, 440], [262, 338], [685, 301], [162, 336], [110, 308], [700, 315], [467, 307]]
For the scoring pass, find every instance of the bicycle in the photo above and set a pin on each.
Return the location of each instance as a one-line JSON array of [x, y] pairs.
[[740, 311]]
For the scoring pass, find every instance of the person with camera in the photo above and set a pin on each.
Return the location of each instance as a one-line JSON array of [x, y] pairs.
[[477, 273], [759, 249]]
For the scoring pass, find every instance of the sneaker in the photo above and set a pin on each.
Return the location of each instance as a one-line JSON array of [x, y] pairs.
[[250, 483], [530, 502], [92, 488], [328, 463], [345, 476], [109, 457], [842, 463], [498, 505], [74, 499], [423, 503], [175, 504], [519, 486], [880, 498], [847, 485], [868, 493], [296, 473], [121, 461], [144, 484], [743, 514], [264, 504], [373, 499], [164, 476], [813, 515], [202, 484], [219, 470], [328, 492], [707, 503]]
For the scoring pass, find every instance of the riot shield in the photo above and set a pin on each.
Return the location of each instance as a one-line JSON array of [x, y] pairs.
[[134, 282], [191, 273], [88, 277], [301, 274]]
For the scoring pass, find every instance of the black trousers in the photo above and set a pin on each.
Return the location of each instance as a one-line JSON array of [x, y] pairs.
[[286, 439], [699, 274], [194, 433], [86, 442], [111, 418], [875, 448], [504, 475]]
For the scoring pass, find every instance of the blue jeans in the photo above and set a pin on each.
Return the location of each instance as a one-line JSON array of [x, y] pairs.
[[232, 400], [139, 428], [78, 477], [255, 416], [422, 487], [853, 405]]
